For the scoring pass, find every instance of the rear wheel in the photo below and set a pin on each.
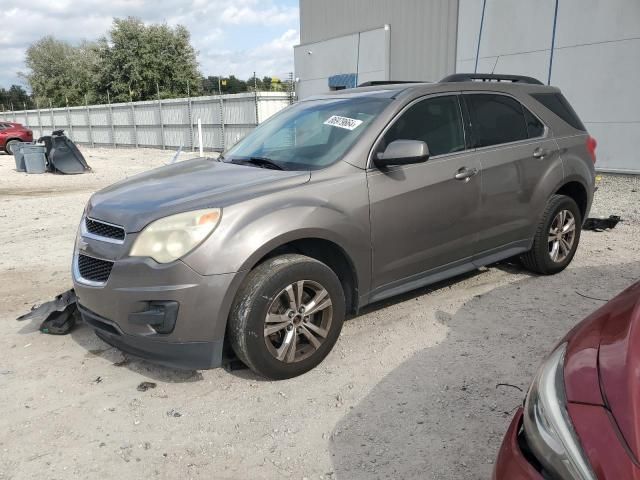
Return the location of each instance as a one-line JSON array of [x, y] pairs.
[[557, 237], [287, 316], [10, 146]]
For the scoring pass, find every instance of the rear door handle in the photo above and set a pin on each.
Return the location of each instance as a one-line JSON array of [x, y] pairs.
[[465, 173], [540, 153]]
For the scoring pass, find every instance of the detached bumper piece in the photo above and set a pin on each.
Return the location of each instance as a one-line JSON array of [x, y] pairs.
[[181, 355]]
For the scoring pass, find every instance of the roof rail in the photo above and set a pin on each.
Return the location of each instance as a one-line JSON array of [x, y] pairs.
[[374, 83], [487, 77]]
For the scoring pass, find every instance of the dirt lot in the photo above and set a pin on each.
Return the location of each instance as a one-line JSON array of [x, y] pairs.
[[408, 392]]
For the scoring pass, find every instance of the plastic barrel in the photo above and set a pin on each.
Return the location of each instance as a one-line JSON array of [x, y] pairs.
[[18, 155], [34, 158]]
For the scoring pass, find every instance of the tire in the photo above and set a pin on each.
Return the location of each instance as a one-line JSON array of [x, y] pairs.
[[264, 302], [540, 259], [9, 146]]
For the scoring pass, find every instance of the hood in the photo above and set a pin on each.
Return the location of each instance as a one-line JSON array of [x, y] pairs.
[[619, 364], [189, 185]]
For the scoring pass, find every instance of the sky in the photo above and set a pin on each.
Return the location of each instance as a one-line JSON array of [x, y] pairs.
[[231, 36]]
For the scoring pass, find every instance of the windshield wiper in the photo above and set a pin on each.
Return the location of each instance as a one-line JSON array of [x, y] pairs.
[[262, 162]]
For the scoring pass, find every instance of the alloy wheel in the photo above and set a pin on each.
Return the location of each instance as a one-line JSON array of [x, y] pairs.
[[562, 235], [298, 321]]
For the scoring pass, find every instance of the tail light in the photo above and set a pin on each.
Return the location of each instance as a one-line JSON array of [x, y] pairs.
[[591, 147]]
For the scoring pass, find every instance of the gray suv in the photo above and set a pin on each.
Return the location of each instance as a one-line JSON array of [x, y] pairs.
[[334, 203]]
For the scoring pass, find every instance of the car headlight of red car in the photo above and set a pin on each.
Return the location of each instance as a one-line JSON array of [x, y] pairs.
[[547, 425]]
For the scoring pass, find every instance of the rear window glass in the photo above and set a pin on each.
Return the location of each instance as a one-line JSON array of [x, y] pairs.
[[496, 119], [561, 107]]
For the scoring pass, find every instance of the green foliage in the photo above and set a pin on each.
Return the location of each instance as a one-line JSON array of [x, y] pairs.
[[133, 61], [15, 97], [137, 59], [229, 84], [61, 72]]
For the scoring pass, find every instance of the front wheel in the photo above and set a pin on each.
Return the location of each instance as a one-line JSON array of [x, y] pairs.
[[557, 237], [287, 316]]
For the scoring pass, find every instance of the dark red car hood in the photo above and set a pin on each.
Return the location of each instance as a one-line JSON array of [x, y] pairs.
[[602, 365], [619, 365]]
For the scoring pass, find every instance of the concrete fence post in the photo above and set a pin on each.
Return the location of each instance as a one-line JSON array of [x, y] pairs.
[[190, 118], [134, 121], [86, 104], [110, 115], [70, 123], [255, 97], [161, 119], [53, 118], [39, 119], [222, 139]]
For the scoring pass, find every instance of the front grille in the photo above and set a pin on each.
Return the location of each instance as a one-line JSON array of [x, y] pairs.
[[101, 229], [94, 269]]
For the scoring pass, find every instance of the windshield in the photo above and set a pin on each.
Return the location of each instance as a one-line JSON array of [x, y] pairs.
[[309, 135]]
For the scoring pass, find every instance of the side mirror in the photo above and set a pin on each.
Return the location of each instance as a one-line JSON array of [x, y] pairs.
[[402, 152]]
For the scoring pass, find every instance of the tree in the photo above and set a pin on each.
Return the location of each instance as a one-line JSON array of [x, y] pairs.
[[232, 84], [14, 98], [60, 72], [136, 59]]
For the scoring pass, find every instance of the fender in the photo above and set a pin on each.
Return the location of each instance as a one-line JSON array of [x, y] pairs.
[[250, 230]]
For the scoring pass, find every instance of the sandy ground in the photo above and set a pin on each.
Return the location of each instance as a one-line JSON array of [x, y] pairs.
[[408, 392]]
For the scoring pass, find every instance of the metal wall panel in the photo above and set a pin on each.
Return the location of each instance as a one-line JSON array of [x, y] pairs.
[[179, 136], [142, 124], [99, 116], [102, 136], [596, 67], [423, 33]]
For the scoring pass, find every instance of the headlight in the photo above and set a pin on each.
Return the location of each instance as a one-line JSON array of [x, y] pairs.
[[547, 425], [170, 238]]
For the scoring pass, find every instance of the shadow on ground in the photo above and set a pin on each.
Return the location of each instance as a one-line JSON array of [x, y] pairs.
[[441, 415]]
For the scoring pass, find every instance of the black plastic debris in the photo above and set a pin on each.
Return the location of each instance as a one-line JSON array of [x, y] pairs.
[[63, 155], [144, 386], [57, 317], [601, 224], [60, 323]]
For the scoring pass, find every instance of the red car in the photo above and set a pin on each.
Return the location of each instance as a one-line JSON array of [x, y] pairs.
[[581, 416], [12, 133]]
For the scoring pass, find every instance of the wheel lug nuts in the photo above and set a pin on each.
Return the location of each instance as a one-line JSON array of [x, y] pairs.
[[291, 314], [305, 319], [289, 327]]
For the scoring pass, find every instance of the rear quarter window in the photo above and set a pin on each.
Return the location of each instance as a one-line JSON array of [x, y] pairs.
[[535, 128], [561, 107]]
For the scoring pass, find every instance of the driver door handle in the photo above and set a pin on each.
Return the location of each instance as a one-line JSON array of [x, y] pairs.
[[465, 173], [540, 153]]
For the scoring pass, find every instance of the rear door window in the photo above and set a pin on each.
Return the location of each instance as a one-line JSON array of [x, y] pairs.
[[496, 119], [436, 121], [561, 107]]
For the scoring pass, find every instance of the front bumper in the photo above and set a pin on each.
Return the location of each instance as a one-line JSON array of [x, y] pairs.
[[511, 463], [117, 310]]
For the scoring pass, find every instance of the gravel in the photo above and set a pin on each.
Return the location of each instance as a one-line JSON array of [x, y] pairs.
[[410, 390]]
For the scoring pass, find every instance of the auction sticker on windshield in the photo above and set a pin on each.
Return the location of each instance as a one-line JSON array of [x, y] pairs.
[[343, 122]]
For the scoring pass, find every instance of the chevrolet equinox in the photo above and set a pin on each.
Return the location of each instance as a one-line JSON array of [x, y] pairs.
[[336, 202]]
